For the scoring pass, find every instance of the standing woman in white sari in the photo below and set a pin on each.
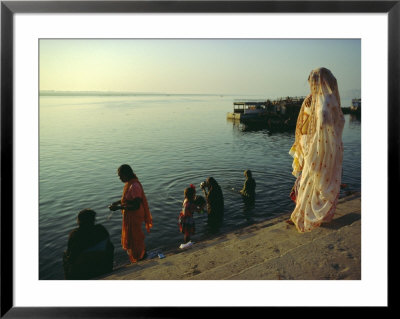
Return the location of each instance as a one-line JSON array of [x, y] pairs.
[[317, 153]]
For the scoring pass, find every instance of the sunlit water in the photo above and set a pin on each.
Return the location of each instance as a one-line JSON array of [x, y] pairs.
[[170, 142]]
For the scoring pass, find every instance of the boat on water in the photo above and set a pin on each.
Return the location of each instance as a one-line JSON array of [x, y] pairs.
[[355, 105], [277, 113], [354, 108], [248, 109]]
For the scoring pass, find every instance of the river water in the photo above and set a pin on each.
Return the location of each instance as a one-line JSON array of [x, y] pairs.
[[170, 141]]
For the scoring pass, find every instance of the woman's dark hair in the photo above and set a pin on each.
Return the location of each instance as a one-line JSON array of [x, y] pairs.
[[189, 193], [212, 183], [127, 171], [86, 217], [248, 173]]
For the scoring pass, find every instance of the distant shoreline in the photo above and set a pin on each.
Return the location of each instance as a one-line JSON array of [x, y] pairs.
[[117, 93], [127, 93]]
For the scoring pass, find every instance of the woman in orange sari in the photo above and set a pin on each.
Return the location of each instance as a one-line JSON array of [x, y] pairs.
[[317, 153], [135, 211]]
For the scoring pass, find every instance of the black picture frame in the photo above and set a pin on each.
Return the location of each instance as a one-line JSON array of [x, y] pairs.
[[9, 8]]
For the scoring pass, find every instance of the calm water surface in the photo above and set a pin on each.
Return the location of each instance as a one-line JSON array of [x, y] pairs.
[[170, 142]]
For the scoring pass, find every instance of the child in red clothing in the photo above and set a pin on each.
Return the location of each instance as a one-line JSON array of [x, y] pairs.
[[186, 220]]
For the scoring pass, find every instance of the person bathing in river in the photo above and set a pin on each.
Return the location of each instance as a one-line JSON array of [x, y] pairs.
[[185, 219], [199, 200], [248, 191], [135, 212], [215, 202], [317, 153]]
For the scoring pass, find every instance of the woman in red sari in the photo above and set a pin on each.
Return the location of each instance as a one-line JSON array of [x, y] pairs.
[[135, 211]]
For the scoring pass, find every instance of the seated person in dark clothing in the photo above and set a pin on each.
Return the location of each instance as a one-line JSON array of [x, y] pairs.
[[215, 202], [249, 188], [90, 252]]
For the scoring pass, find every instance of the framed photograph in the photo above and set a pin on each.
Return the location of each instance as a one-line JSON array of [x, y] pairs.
[[79, 79]]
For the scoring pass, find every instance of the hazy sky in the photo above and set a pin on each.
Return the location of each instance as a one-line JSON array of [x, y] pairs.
[[221, 66]]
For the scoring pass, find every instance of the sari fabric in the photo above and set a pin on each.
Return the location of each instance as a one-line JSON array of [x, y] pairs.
[[317, 153], [132, 238]]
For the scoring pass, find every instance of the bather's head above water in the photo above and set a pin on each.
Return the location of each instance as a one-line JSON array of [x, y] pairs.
[[248, 174], [210, 182], [190, 193]]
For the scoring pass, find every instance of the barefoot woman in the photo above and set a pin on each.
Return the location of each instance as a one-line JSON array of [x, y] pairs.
[[135, 211], [317, 153]]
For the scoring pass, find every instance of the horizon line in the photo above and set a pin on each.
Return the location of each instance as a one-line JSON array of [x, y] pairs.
[[99, 92]]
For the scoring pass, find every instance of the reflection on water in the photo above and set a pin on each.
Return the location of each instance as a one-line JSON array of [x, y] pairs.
[[241, 126], [355, 118], [170, 142], [259, 126]]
